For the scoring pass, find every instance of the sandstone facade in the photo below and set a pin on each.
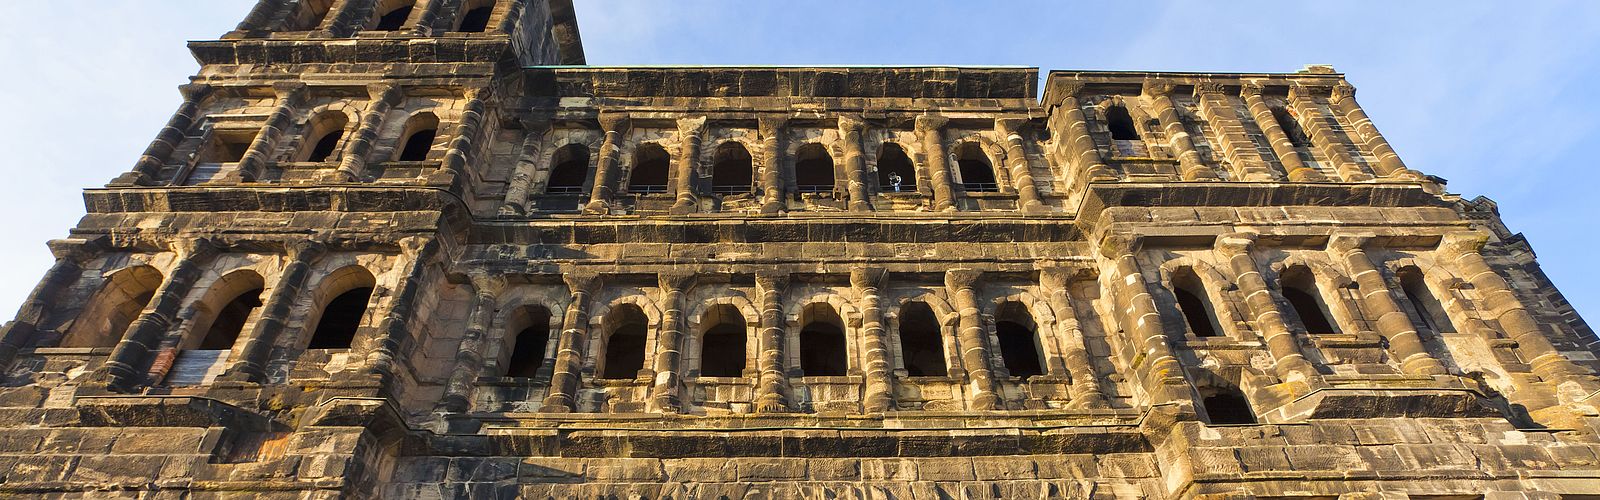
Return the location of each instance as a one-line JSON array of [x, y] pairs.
[[405, 249]]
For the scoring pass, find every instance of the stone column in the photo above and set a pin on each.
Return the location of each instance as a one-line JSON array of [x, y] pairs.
[[353, 162], [516, 202], [1288, 360], [691, 131], [600, 197], [469, 357], [258, 18], [1158, 93], [125, 367], [1080, 145], [455, 156], [1393, 323], [772, 389], [961, 284], [68, 269], [396, 324], [931, 129], [1315, 123], [266, 142], [1500, 303], [855, 163], [1156, 367], [1236, 145], [561, 398], [344, 18], [1343, 101], [1085, 388], [427, 15], [772, 129], [665, 395], [251, 363], [1028, 199], [1293, 165], [880, 385], [160, 150]]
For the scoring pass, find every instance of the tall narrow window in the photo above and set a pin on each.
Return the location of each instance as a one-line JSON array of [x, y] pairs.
[[527, 349], [732, 171], [476, 20], [225, 329], [422, 130], [340, 320], [395, 18], [1197, 311], [1019, 340], [921, 344], [895, 172], [1227, 405], [120, 301], [1300, 289], [813, 169], [1121, 124], [625, 344], [822, 344], [1427, 307], [977, 175], [722, 347], [569, 171], [325, 132], [1290, 126], [650, 165]]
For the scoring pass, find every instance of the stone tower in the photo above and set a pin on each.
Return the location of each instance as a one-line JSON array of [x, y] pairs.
[[419, 249]]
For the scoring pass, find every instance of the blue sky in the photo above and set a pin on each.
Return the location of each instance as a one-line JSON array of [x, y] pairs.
[[1491, 97]]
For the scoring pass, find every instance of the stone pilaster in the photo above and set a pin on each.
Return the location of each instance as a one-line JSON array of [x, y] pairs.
[[1343, 101], [19, 333], [962, 284], [258, 18], [691, 133], [1248, 165], [1315, 123], [521, 183], [1289, 362], [1393, 323], [772, 388], [772, 129], [569, 355], [396, 324], [665, 395], [455, 156], [1158, 94], [469, 357], [353, 162], [344, 18], [427, 15], [1294, 166], [614, 124], [1075, 360], [251, 363], [160, 150], [125, 367], [1155, 366], [855, 163], [256, 158], [880, 385], [1028, 199], [930, 128]]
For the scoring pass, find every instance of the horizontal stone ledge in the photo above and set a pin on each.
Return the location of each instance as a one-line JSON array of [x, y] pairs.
[[352, 51], [175, 411], [760, 81], [270, 199]]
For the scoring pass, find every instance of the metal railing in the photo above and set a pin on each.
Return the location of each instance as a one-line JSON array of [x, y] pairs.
[[980, 187], [563, 190], [730, 189], [814, 188], [647, 188]]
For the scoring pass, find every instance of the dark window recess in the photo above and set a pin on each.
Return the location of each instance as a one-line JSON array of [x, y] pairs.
[[418, 145], [1196, 313], [625, 346], [1290, 126], [894, 164], [1309, 309], [477, 20], [977, 175], [230, 321], [1121, 124], [1019, 342], [394, 19], [1428, 307], [650, 165], [723, 351], [813, 169], [920, 341], [340, 319], [570, 171], [325, 146], [1229, 406], [822, 344], [527, 355], [732, 171]]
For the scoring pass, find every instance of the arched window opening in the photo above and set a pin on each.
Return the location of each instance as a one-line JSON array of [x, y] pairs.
[[1300, 289], [977, 175], [528, 347], [822, 345], [1019, 340], [395, 18], [421, 132], [1290, 126], [569, 171], [119, 302], [1228, 406], [921, 343], [340, 320], [477, 19], [1197, 311], [225, 329], [1427, 308], [650, 165], [895, 172], [732, 171], [327, 130], [1121, 124], [813, 169], [722, 346], [625, 345]]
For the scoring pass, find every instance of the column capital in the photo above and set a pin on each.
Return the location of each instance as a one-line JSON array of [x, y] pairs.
[[691, 125], [485, 284], [1070, 89], [1059, 277], [1117, 245], [288, 90], [957, 279], [926, 123], [680, 281], [1236, 243], [770, 125], [868, 277], [1157, 87], [580, 281], [1463, 242], [1208, 88], [1341, 92], [195, 91], [1009, 125], [1249, 89], [851, 123], [772, 281], [75, 250], [305, 250], [1346, 243], [614, 122], [197, 248], [1300, 90], [383, 91]]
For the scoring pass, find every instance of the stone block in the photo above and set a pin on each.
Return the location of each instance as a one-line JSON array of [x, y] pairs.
[[773, 469]]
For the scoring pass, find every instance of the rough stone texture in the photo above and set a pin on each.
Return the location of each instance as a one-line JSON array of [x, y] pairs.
[[368, 263]]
